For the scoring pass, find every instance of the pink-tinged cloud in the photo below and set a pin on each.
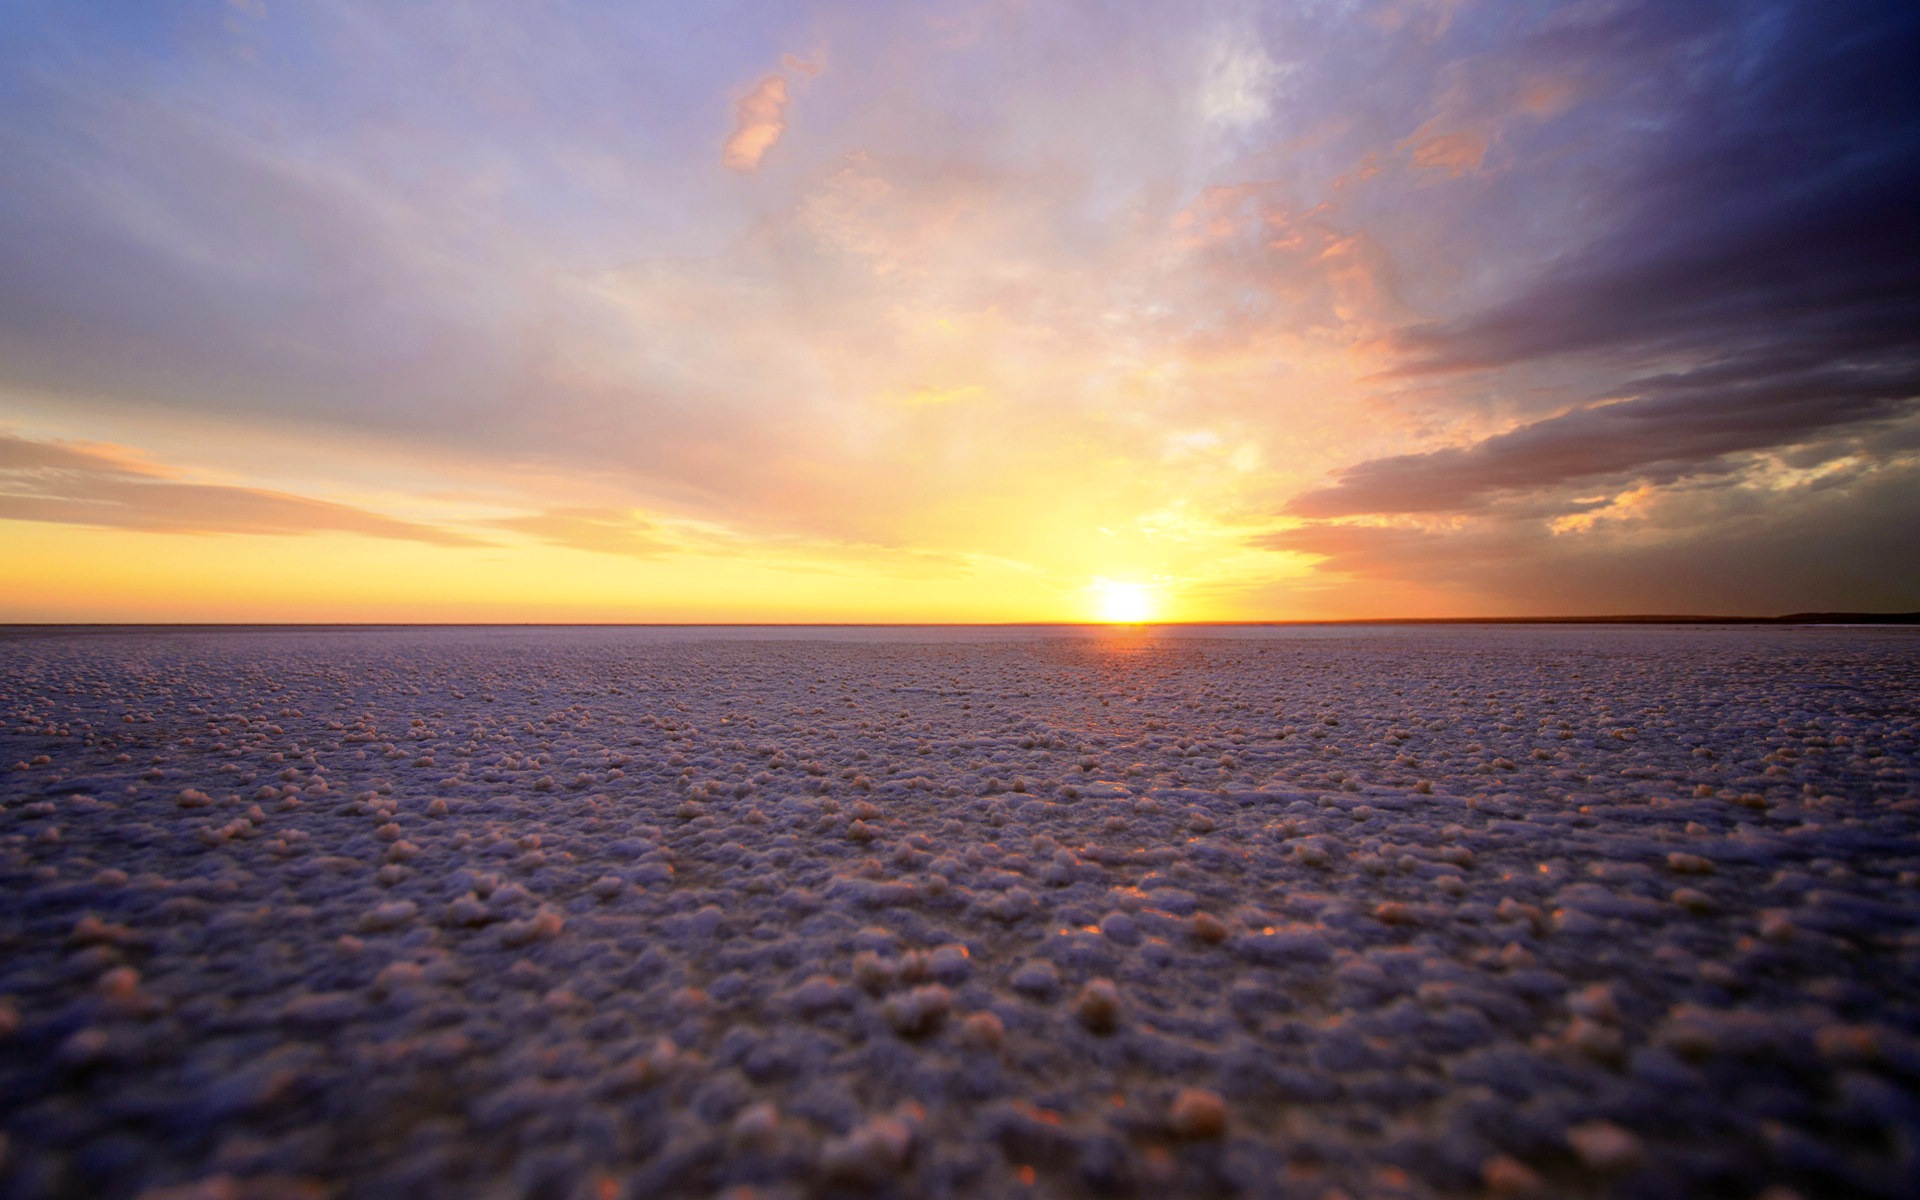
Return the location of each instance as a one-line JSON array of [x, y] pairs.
[[759, 120], [1458, 153], [80, 484]]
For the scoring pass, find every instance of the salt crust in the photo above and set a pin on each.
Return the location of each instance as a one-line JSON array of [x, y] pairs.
[[605, 913]]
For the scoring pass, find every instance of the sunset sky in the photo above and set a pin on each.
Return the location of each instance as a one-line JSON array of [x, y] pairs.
[[972, 311]]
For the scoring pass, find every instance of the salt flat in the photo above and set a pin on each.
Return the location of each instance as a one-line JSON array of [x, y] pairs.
[[604, 913]]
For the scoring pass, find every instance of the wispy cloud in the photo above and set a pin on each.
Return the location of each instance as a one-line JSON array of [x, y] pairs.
[[601, 530], [106, 487]]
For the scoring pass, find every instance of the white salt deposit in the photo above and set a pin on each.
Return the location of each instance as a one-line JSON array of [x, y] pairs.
[[631, 913]]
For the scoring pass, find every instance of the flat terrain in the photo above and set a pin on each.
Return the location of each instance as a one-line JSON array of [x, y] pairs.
[[612, 913]]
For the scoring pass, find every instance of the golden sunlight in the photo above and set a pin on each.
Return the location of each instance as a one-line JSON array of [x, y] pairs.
[[1119, 603]]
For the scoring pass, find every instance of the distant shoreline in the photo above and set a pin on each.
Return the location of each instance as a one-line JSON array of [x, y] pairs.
[[30, 628]]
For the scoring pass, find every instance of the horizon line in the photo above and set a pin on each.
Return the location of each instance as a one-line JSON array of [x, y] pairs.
[[1798, 618]]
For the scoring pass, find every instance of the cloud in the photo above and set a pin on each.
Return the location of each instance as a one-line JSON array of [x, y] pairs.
[[176, 263], [75, 484], [1774, 208], [601, 530], [1262, 265], [21, 456], [1239, 80], [1457, 153], [1731, 337], [1841, 542], [759, 120], [1679, 425]]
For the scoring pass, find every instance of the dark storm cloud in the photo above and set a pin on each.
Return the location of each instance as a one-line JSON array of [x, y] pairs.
[[1683, 424], [1836, 544], [1778, 204], [1766, 256]]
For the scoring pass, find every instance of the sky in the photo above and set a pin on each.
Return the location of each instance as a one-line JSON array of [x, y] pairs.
[[987, 310]]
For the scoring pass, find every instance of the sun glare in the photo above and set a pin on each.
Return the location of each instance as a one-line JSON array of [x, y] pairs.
[[1123, 603]]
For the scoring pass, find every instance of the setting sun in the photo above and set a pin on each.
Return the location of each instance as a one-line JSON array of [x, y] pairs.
[[1123, 603]]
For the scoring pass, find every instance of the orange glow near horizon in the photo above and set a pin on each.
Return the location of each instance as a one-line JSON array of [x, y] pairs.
[[223, 538]]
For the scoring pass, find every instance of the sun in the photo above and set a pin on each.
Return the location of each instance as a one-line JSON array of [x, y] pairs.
[[1118, 603]]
